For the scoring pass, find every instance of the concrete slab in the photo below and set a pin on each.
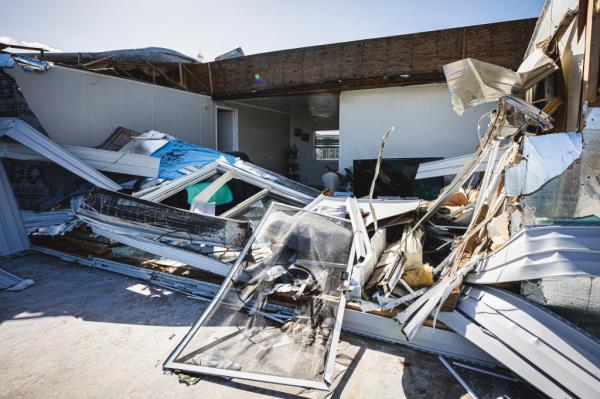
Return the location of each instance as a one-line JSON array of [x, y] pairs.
[[80, 332]]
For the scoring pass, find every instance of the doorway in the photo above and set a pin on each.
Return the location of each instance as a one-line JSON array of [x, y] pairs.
[[227, 129]]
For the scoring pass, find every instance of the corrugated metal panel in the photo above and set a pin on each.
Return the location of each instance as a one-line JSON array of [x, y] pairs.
[[542, 251], [565, 357], [13, 237]]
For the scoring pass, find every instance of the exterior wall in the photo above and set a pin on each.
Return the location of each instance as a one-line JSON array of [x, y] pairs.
[[263, 135], [411, 59], [83, 108], [426, 125], [309, 169]]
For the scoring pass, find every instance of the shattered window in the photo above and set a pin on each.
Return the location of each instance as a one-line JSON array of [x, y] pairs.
[[255, 212], [279, 314], [326, 145]]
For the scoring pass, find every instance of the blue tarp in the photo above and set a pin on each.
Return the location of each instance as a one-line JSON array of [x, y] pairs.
[[6, 61], [32, 64], [176, 155]]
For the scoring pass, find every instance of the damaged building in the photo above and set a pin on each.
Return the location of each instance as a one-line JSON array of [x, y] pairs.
[[439, 191]]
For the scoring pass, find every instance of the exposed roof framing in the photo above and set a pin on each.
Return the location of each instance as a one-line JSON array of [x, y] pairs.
[[410, 59]]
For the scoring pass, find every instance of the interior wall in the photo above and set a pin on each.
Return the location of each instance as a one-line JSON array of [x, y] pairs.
[[83, 108], [426, 125], [309, 169], [263, 135]]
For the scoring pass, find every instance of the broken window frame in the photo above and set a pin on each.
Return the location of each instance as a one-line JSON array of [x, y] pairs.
[[227, 172], [172, 364]]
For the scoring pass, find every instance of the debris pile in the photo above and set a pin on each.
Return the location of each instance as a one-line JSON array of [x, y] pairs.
[[286, 268]]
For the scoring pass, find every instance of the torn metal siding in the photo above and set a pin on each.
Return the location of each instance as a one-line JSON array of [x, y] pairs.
[[13, 237], [542, 251], [102, 160], [568, 357], [501, 352], [132, 238], [576, 192], [544, 157], [30, 137], [10, 282], [446, 167]]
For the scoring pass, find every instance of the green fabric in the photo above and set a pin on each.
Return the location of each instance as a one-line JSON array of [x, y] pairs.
[[221, 197]]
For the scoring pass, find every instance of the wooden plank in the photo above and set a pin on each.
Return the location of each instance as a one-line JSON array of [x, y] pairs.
[[165, 76], [96, 62], [592, 52]]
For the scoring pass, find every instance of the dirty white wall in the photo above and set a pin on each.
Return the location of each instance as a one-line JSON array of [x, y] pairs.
[[263, 135], [311, 170], [83, 108], [426, 125]]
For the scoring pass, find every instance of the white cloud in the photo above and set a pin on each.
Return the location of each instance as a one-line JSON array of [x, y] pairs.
[[10, 40]]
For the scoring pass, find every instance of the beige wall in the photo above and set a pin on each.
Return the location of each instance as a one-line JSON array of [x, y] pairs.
[[311, 170]]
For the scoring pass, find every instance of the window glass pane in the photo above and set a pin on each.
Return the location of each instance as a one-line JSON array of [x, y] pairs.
[[277, 314], [326, 153], [329, 138], [326, 145]]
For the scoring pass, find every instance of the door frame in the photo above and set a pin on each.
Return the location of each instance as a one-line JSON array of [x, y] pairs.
[[236, 142]]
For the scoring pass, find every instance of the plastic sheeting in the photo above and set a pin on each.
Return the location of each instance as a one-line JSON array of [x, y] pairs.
[[176, 155], [298, 260], [6, 61]]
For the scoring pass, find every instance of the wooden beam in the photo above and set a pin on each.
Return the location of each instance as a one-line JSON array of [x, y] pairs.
[[96, 62], [195, 78], [592, 52], [165, 76]]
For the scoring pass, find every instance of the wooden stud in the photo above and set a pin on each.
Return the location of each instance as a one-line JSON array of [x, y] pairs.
[[592, 52]]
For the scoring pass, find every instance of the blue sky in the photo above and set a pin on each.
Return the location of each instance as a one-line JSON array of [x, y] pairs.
[[214, 27]]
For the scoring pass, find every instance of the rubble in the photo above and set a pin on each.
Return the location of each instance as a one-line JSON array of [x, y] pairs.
[[286, 268]]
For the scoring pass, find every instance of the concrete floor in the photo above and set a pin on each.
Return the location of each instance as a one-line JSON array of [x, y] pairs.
[[80, 332]]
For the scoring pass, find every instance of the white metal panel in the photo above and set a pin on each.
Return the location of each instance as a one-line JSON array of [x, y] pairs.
[[13, 237], [542, 251], [556, 349], [83, 108], [502, 353], [28, 136], [102, 160]]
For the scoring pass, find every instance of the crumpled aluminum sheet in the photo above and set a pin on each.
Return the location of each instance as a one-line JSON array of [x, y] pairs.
[[472, 82]]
